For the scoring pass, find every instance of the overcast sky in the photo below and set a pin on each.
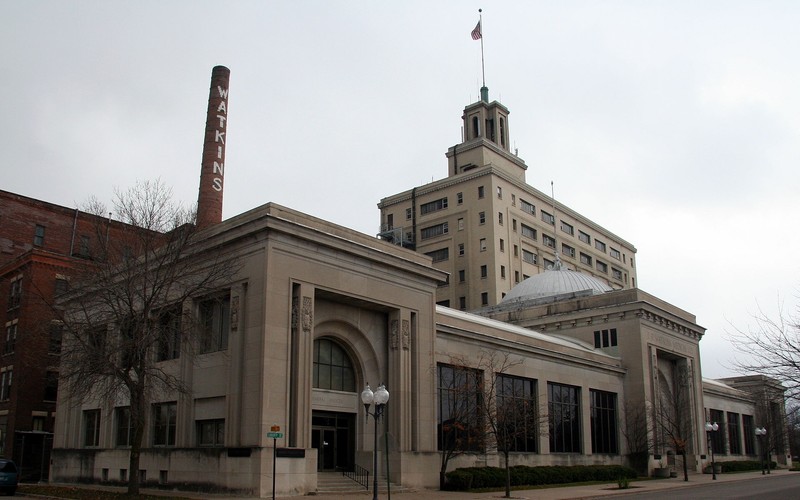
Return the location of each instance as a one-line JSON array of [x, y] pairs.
[[675, 125]]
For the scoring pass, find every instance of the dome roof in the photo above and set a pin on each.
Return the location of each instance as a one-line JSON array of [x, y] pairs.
[[554, 282]]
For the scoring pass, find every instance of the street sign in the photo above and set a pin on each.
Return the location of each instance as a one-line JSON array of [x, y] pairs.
[[274, 435]]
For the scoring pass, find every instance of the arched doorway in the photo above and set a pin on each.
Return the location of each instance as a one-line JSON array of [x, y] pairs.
[[333, 423]]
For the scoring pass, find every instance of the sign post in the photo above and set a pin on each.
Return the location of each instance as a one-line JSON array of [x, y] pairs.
[[275, 433]]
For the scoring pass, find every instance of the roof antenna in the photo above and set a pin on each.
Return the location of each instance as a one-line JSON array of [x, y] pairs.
[[557, 266]]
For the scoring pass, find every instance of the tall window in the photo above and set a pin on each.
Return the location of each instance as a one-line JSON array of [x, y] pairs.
[[604, 421], [169, 334], [482, 217], [733, 433], [718, 436], [484, 271], [11, 338], [50, 386], [15, 293], [164, 423], [38, 236], [332, 367], [122, 421], [5, 384], [91, 428], [517, 413], [215, 323], [564, 418], [749, 431], [460, 402], [481, 192], [211, 432]]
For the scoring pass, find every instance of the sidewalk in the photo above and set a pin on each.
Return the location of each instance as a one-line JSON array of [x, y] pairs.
[[552, 493]]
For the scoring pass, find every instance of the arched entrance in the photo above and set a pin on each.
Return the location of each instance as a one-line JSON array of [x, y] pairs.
[[335, 403]]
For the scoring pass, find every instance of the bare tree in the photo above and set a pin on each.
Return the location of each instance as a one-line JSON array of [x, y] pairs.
[[509, 414], [637, 434], [125, 313], [674, 411], [771, 347]]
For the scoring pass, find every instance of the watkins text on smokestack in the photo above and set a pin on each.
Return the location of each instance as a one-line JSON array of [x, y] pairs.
[[212, 174]]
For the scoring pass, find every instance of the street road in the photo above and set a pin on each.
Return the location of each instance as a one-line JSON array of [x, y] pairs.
[[763, 488]]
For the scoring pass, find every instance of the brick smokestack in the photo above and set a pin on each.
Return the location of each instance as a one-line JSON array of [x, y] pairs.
[[212, 173]]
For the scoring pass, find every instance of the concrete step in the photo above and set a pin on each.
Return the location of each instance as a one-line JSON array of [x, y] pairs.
[[335, 482]]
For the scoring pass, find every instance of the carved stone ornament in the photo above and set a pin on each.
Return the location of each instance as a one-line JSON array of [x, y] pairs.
[[295, 314], [406, 334], [307, 315], [393, 334], [234, 313]]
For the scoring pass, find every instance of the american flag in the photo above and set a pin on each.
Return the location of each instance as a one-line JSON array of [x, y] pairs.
[[476, 33]]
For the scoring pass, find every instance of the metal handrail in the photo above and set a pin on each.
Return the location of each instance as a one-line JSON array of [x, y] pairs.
[[359, 475]]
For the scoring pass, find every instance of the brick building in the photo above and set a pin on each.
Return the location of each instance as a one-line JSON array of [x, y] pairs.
[[39, 243]]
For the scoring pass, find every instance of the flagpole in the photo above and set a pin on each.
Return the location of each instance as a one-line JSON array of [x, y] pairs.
[[480, 22]]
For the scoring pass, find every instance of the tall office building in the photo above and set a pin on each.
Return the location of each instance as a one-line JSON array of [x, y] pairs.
[[487, 227]]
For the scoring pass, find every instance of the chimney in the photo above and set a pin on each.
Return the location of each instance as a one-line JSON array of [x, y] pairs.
[[212, 173]]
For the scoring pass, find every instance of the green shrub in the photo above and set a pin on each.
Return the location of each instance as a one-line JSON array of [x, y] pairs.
[[522, 475], [743, 465]]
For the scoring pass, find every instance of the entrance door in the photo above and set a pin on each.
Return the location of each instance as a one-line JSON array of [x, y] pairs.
[[332, 436], [324, 440]]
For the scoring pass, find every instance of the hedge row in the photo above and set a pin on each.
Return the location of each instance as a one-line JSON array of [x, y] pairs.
[[743, 465], [522, 475]]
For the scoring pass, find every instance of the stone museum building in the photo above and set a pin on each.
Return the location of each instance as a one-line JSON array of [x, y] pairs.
[[475, 267]]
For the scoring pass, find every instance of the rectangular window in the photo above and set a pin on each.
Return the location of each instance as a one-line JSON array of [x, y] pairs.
[[480, 192], [11, 338], [211, 432], [599, 245], [567, 228], [718, 436], [549, 264], [749, 431], [56, 331], [513, 200], [516, 276], [433, 206], [51, 386], [164, 423], [605, 338], [527, 207], [462, 275], [169, 334], [124, 428], [484, 271], [460, 426], [547, 218], [91, 428], [85, 246], [481, 217], [408, 214], [440, 254], [433, 231], [15, 293], [517, 413], [500, 218], [459, 198], [38, 236], [614, 253], [564, 418], [528, 232], [548, 241], [602, 266], [604, 421], [586, 259], [460, 249], [516, 251], [61, 286], [503, 272], [584, 237], [616, 273], [502, 245], [567, 250], [484, 298], [733, 434], [482, 244], [528, 257], [5, 385], [514, 225], [215, 323], [462, 303], [499, 193]]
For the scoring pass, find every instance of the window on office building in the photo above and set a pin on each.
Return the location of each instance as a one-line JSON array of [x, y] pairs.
[[481, 217], [548, 218], [599, 245], [718, 437], [616, 274], [567, 250], [527, 207], [602, 266], [614, 253], [733, 434], [484, 271], [480, 192], [210, 432], [462, 275], [517, 416], [215, 323], [433, 206], [564, 418], [38, 236], [567, 228], [584, 237], [164, 417], [500, 218], [91, 428], [482, 244], [586, 259], [433, 231], [548, 241], [124, 427], [528, 232], [459, 198], [499, 193], [460, 408], [460, 249], [528, 257], [604, 421], [484, 298], [605, 338]]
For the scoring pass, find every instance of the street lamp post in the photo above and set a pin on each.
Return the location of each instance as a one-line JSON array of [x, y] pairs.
[[760, 433], [709, 429], [380, 397]]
